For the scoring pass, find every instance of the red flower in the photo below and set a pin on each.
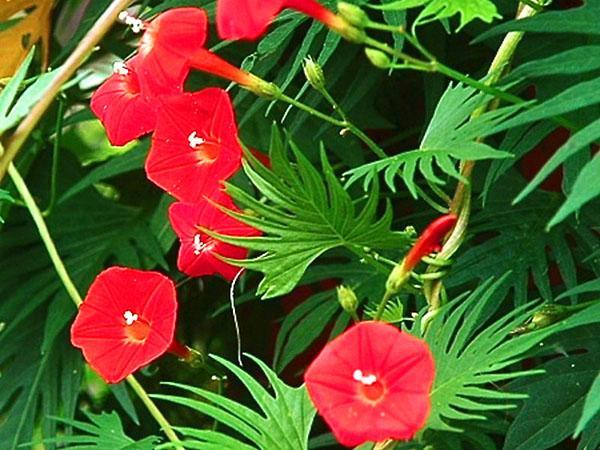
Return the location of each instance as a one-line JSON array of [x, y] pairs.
[[126, 321], [198, 250], [249, 19], [195, 145], [125, 111], [372, 383], [168, 43], [430, 240]]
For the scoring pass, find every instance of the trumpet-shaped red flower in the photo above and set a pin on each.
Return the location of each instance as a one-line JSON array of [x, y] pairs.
[[168, 43], [198, 250], [126, 321], [125, 111], [195, 145], [430, 240], [249, 19], [372, 383]]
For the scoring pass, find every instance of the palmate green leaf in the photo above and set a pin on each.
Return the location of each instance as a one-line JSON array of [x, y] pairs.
[[284, 424], [519, 242], [306, 214], [450, 136], [469, 10], [473, 351], [103, 432]]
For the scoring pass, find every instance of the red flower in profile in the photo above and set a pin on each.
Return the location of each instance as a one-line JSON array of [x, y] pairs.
[[126, 321], [198, 250], [195, 145], [249, 19], [125, 111], [430, 240], [168, 43], [372, 383]]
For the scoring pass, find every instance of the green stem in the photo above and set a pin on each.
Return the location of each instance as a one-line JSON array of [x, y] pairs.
[[385, 27], [55, 157], [40, 224], [153, 409], [63, 73], [71, 289], [344, 124], [384, 301]]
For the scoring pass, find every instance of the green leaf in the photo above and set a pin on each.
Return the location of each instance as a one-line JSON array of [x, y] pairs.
[[581, 59], [306, 214], [591, 407], [104, 432], [284, 424], [585, 189], [474, 352], [555, 402], [5, 197], [469, 10], [581, 20], [450, 136]]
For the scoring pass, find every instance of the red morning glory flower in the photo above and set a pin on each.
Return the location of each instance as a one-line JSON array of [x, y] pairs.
[[195, 145], [126, 321], [198, 250], [249, 19], [430, 240], [372, 383], [167, 45], [125, 111]]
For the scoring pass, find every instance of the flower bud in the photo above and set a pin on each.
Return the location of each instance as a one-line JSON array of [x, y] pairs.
[[353, 14], [399, 275], [547, 315], [314, 73], [378, 58], [347, 299]]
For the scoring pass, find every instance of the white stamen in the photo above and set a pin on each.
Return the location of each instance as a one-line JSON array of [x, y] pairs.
[[367, 380], [119, 67], [136, 24], [198, 244], [194, 140], [130, 317]]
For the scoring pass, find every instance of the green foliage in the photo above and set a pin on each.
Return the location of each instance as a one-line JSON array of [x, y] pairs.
[[591, 407], [305, 323], [469, 10], [555, 402], [103, 431], [450, 136], [283, 425], [305, 215], [471, 352], [7, 198]]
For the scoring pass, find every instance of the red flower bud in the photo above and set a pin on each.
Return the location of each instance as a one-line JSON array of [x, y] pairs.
[[429, 241]]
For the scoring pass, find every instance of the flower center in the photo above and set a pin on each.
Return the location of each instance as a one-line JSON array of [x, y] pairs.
[[198, 245], [120, 68], [137, 329], [136, 24], [194, 140], [370, 388]]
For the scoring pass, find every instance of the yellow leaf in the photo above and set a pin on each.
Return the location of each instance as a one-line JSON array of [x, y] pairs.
[[31, 24]]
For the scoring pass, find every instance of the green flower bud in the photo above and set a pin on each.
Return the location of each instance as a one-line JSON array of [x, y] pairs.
[[547, 315], [347, 299], [314, 73], [378, 58], [353, 14], [397, 278]]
